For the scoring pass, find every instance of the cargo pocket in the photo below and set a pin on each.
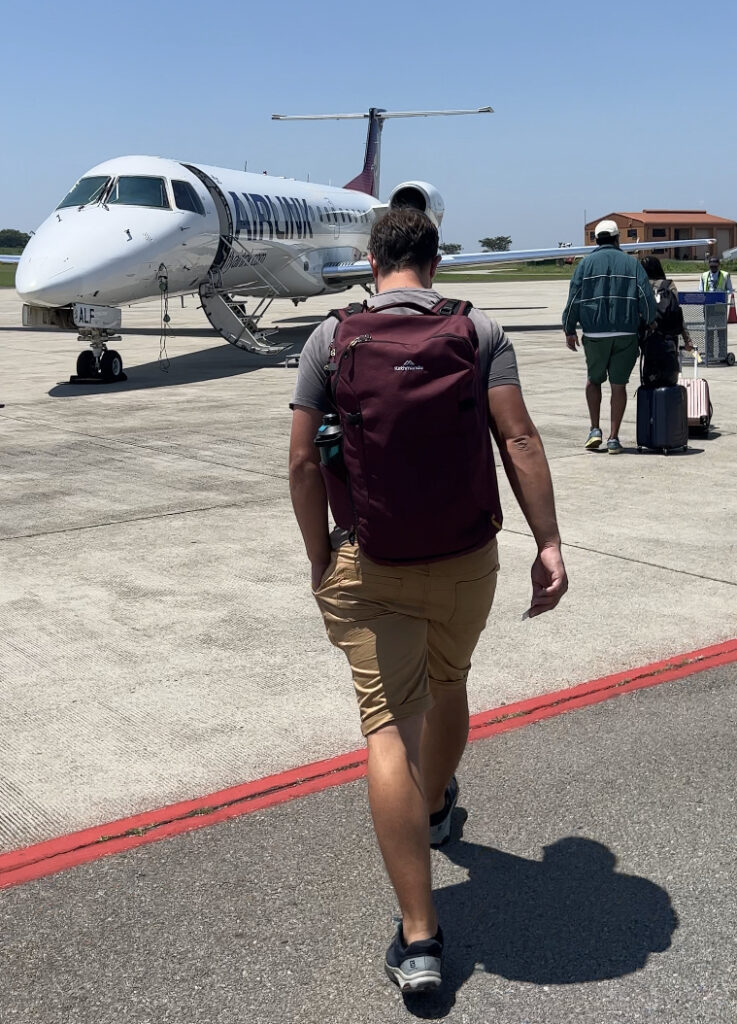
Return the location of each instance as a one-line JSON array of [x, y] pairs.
[[473, 601]]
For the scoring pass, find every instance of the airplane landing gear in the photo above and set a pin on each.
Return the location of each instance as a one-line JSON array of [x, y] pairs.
[[111, 365], [86, 364], [98, 363]]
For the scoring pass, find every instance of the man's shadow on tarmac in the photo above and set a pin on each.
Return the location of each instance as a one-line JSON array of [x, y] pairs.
[[567, 919]]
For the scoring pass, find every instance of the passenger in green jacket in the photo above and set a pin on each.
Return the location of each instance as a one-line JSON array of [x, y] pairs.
[[610, 297]]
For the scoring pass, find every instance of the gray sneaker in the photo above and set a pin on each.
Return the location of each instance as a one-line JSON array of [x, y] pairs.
[[440, 821], [414, 967], [594, 439], [613, 446]]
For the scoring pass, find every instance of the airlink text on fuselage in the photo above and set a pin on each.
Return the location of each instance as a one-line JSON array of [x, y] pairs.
[[270, 217]]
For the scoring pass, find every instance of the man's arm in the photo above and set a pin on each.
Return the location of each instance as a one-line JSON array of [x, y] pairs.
[[526, 466], [570, 313], [309, 498]]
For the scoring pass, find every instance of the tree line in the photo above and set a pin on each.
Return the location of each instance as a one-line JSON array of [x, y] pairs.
[[10, 238], [494, 243]]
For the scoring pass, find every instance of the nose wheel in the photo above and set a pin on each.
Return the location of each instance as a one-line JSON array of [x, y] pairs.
[[86, 364], [98, 363], [111, 365]]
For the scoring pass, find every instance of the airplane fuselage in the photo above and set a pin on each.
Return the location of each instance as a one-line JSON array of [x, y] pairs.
[[137, 227], [130, 219]]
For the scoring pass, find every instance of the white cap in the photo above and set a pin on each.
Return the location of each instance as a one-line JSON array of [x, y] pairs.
[[606, 227]]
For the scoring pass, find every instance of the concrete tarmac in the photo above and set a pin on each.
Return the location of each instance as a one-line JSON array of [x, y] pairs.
[[159, 638], [593, 881]]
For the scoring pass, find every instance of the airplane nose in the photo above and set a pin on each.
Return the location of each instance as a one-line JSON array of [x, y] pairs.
[[44, 282], [57, 264]]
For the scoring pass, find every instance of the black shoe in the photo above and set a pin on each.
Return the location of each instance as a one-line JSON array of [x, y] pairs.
[[416, 967], [440, 821]]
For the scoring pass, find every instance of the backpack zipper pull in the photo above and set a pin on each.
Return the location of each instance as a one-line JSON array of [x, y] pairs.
[[349, 349], [331, 365]]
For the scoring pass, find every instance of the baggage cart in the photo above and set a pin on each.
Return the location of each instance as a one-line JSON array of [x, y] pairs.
[[705, 318]]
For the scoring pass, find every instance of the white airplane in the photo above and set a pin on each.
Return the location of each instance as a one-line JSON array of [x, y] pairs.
[[135, 227]]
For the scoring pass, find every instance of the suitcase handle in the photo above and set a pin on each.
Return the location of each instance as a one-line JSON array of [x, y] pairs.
[[695, 360]]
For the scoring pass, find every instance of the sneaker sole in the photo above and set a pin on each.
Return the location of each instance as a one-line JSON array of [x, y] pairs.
[[422, 981], [595, 442], [614, 451]]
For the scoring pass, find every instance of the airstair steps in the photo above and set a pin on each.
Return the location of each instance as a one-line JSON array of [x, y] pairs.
[[231, 320]]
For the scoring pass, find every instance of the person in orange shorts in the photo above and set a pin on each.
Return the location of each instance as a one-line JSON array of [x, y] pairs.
[[406, 580]]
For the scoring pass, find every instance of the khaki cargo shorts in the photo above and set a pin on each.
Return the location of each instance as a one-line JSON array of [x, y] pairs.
[[407, 631]]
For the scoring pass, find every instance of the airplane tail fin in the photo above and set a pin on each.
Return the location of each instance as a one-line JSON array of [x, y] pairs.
[[368, 180]]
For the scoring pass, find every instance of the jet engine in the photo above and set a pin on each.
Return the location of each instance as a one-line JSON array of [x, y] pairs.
[[418, 195]]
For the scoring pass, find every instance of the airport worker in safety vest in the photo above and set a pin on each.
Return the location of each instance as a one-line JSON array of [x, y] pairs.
[[714, 279]]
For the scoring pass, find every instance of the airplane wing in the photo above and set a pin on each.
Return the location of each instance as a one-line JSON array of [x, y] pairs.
[[339, 273], [8, 259]]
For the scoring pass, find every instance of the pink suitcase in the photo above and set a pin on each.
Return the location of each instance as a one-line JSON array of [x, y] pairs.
[[699, 404]]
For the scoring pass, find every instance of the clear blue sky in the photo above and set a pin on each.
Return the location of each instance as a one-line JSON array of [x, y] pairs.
[[598, 107]]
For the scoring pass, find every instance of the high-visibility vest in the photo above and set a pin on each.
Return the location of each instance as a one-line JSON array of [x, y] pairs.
[[721, 282]]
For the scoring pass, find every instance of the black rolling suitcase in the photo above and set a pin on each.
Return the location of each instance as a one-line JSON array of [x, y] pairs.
[[662, 418]]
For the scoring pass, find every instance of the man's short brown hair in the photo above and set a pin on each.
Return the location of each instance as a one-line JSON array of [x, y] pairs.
[[403, 238]]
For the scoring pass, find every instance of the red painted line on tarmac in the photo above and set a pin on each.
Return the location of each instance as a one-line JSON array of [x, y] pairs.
[[513, 716], [79, 847], [54, 855]]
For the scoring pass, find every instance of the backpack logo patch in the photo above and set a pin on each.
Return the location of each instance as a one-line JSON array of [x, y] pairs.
[[408, 366]]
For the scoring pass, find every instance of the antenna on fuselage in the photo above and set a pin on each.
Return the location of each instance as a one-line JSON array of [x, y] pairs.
[[368, 180]]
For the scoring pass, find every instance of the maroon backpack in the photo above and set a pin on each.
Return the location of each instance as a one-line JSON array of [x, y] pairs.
[[418, 482]]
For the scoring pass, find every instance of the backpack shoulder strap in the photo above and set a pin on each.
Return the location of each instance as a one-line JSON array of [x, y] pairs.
[[343, 314], [331, 367], [452, 307]]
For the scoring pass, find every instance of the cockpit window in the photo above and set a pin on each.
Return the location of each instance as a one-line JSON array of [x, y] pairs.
[[87, 190], [186, 198], [130, 190]]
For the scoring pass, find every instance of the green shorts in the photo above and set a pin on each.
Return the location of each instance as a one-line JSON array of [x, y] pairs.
[[612, 357]]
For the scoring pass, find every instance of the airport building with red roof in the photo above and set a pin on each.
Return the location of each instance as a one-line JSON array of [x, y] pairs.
[[653, 225]]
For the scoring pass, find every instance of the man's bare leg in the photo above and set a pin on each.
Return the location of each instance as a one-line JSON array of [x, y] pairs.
[[593, 400], [400, 814], [619, 404], [444, 739]]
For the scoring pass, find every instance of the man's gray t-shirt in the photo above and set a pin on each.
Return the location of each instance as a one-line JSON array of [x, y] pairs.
[[498, 361]]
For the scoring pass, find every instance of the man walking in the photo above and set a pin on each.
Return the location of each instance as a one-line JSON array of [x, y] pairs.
[[610, 296], [408, 623]]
